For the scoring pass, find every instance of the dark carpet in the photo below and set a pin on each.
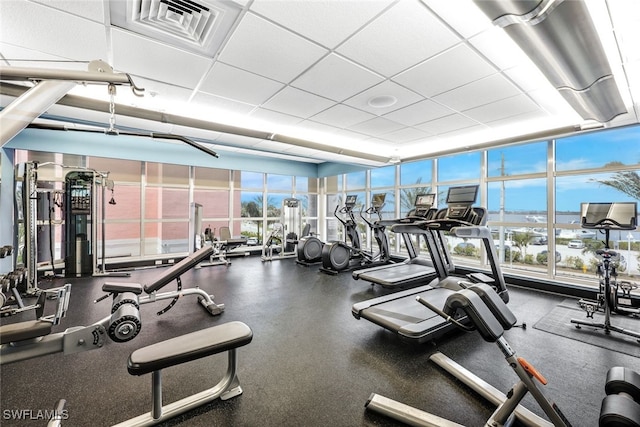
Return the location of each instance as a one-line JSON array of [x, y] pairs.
[[558, 322], [310, 363]]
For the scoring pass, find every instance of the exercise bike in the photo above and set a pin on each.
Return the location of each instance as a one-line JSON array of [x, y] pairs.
[[613, 296]]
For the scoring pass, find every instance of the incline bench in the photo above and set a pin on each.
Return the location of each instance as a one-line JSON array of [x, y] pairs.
[[173, 273], [185, 348]]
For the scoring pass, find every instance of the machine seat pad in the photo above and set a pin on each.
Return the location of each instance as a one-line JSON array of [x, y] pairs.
[[188, 347], [119, 288], [477, 312], [617, 411], [21, 331], [497, 306], [623, 380]]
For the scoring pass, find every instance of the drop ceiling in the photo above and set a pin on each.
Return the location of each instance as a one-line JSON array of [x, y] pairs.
[[398, 79]]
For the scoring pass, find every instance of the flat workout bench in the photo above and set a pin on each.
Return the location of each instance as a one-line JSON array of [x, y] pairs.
[[169, 275], [153, 358]]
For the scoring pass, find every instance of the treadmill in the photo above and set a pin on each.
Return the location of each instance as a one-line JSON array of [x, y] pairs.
[[415, 269], [400, 312]]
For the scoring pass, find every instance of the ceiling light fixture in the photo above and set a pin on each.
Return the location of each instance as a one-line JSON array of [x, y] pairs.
[[561, 39], [382, 101]]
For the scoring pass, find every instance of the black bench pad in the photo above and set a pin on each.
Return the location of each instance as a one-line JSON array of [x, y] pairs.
[[119, 288], [21, 331], [178, 269], [188, 347]]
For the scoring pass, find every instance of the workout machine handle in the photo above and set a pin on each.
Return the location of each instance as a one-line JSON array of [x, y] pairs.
[[444, 315]]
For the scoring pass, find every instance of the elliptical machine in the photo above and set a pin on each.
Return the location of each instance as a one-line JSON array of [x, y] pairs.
[[309, 250], [337, 255], [378, 230]]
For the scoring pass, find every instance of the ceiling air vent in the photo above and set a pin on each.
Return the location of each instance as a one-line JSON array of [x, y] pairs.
[[198, 26]]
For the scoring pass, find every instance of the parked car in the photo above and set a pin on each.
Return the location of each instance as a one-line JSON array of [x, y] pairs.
[[543, 257], [575, 244], [541, 240], [252, 241]]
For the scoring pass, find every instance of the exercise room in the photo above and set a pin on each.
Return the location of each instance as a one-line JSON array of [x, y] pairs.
[[319, 213]]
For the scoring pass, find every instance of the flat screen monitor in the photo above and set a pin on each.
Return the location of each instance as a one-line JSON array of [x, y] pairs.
[[351, 200], [378, 199], [425, 200], [462, 195], [615, 215]]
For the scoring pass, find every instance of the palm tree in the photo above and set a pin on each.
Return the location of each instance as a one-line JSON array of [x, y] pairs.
[[627, 182], [521, 241]]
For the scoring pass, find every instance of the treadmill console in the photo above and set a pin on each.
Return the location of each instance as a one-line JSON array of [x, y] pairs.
[[377, 200], [423, 204], [460, 200], [351, 201]]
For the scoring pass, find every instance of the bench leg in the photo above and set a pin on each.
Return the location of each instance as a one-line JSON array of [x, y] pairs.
[[156, 394], [227, 387]]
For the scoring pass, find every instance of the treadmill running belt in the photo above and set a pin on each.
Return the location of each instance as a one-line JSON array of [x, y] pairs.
[[410, 319], [396, 274]]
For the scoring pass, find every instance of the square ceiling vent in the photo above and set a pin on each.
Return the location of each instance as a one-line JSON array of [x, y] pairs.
[[200, 26]]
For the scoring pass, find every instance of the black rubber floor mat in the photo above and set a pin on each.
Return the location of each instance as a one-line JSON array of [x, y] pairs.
[[558, 322]]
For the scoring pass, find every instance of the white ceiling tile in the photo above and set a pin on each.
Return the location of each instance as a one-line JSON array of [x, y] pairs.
[[297, 102], [478, 93], [419, 113], [500, 49], [502, 109], [309, 126], [453, 68], [447, 124], [93, 10], [161, 62], [208, 102], [528, 78], [336, 78], [264, 48], [24, 57], [513, 121], [326, 22], [403, 96], [462, 15], [376, 126], [231, 82], [403, 36], [405, 135], [56, 33], [272, 120], [341, 116]]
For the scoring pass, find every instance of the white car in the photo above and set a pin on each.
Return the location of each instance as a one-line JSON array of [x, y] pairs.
[[575, 244]]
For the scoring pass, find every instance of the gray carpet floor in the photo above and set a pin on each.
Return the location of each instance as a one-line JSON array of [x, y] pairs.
[[311, 363]]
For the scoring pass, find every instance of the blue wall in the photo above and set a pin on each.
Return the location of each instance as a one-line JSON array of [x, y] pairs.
[[151, 150]]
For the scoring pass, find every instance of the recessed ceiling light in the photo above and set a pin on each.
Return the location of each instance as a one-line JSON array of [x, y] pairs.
[[382, 101]]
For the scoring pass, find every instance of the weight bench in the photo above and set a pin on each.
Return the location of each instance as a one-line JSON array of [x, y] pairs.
[[173, 273], [185, 348]]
